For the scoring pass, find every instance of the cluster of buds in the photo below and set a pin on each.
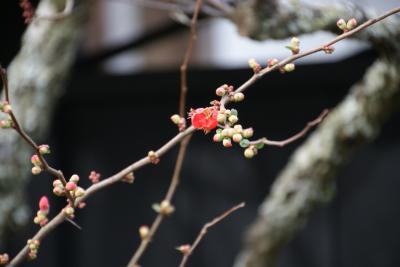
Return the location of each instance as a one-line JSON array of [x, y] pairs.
[[223, 90], [8, 122], [165, 208], [94, 177], [236, 134], [33, 246], [71, 186], [41, 215], [153, 157], [69, 211], [129, 178], [179, 121], [37, 164], [227, 117], [184, 249], [294, 45], [4, 259], [346, 26], [144, 232], [28, 11], [254, 65]]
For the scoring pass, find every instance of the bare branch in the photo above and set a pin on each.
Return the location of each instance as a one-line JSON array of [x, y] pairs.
[[295, 137], [204, 230]]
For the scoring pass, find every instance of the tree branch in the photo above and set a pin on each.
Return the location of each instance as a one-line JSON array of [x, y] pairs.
[[204, 230]]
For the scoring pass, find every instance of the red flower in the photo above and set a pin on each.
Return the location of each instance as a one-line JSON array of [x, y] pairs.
[[204, 118]]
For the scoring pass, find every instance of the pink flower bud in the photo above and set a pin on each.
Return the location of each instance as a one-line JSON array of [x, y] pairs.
[[58, 191], [255, 65], [217, 138], [74, 178], [57, 182], [184, 249], [35, 160], [44, 149], [341, 23], [43, 222], [6, 124], [70, 186], [227, 142], [351, 24], [7, 108], [220, 91], [272, 62], [44, 203], [237, 138]]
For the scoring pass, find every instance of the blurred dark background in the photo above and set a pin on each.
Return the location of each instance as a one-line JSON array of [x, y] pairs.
[[107, 121]]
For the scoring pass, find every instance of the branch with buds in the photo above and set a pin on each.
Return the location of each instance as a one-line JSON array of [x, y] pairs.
[[216, 117]]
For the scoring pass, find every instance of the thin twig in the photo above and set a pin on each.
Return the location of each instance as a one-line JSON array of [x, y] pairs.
[[294, 137], [21, 256], [17, 127], [188, 54], [160, 217], [204, 230], [184, 143]]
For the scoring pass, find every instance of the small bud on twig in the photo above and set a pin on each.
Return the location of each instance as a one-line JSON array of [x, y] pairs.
[[254, 65], [44, 149], [4, 259], [144, 231], [184, 249], [351, 24], [129, 178], [153, 157]]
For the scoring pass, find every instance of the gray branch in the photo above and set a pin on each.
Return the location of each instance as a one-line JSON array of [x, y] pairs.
[[36, 77]]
